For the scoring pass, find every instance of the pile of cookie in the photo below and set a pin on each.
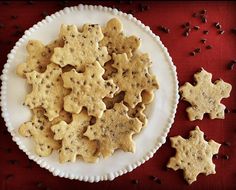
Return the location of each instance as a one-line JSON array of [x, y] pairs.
[[90, 88]]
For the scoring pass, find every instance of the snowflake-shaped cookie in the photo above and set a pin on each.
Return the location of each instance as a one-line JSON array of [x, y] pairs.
[[205, 96], [88, 89], [133, 77], [116, 41], [114, 130], [73, 142], [193, 155], [38, 57], [39, 128], [48, 91], [81, 48]]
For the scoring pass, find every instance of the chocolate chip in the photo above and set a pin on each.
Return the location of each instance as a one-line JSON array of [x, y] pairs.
[[14, 17], [204, 19], [17, 33], [225, 157], [208, 47], [233, 110], [203, 40], [8, 150], [195, 15], [215, 156], [44, 13], [233, 30], [231, 65], [164, 29], [186, 34], [204, 11], [221, 32], [227, 110], [5, 2], [196, 27], [30, 2], [39, 184], [135, 181], [192, 53], [155, 179], [205, 31], [13, 162], [217, 25], [226, 143], [197, 50]]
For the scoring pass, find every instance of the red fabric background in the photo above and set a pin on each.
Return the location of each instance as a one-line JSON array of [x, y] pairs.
[[171, 14]]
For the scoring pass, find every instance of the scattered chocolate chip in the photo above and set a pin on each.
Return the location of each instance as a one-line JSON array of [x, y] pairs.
[[233, 30], [195, 15], [155, 179], [205, 31], [16, 27], [130, 2], [226, 143], [204, 11], [30, 2], [197, 50], [135, 181], [39, 184], [215, 156], [5, 2], [187, 24], [44, 13], [13, 162], [192, 53], [233, 110], [9, 176], [227, 110], [203, 40], [8, 42], [221, 32], [131, 11], [225, 157], [186, 34], [188, 29], [196, 27], [14, 17], [204, 19], [17, 33], [217, 25], [164, 29], [208, 47], [231, 65], [8, 150]]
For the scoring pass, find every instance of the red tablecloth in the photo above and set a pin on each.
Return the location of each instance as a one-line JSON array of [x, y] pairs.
[[17, 172]]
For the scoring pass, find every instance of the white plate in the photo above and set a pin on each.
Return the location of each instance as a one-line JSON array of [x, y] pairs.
[[161, 113]]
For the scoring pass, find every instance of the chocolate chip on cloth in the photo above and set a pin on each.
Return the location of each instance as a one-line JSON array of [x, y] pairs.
[[48, 91], [87, 90], [81, 48], [114, 130], [205, 96], [136, 71], [193, 155]]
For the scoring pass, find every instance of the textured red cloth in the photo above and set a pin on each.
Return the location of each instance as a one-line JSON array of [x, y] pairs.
[[17, 172]]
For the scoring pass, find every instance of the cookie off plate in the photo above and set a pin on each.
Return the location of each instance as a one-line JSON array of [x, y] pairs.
[[160, 112]]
